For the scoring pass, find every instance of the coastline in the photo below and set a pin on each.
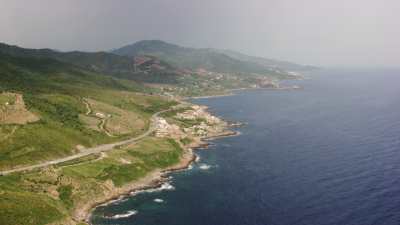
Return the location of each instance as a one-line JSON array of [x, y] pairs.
[[231, 92], [156, 178], [152, 180], [159, 177], [212, 96]]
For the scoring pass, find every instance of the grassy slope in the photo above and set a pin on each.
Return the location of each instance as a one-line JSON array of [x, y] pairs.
[[96, 61], [147, 155], [54, 91], [79, 182]]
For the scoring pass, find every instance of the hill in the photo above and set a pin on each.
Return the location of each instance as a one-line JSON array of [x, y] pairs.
[[97, 61], [56, 120], [57, 92], [173, 70], [50, 109], [206, 59], [105, 63], [57, 105]]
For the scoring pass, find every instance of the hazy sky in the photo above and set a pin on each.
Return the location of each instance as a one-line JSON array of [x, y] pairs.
[[318, 32]]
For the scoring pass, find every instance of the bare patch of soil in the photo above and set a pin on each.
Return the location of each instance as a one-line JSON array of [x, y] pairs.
[[15, 112]]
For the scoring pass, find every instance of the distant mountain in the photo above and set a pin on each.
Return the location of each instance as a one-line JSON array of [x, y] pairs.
[[268, 63], [98, 61], [153, 70], [154, 47], [160, 63], [206, 59]]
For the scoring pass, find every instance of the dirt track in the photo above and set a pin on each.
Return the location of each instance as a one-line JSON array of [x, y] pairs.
[[93, 150]]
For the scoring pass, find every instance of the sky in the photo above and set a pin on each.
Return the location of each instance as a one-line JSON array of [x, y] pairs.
[[315, 32]]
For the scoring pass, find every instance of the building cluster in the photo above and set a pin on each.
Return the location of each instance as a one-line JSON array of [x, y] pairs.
[[164, 129], [198, 112]]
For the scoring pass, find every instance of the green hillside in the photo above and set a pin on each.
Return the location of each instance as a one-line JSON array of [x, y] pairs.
[[96, 61], [208, 59], [167, 68], [59, 104], [65, 102], [53, 91]]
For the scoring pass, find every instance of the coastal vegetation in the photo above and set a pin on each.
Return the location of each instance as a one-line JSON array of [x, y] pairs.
[[56, 93], [54, 105], [54, 193]]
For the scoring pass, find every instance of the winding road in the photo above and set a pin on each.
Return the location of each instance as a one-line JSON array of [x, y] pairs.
[[93, 150], [102, 125]]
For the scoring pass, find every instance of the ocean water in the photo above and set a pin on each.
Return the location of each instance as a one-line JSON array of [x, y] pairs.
[[328, 154]]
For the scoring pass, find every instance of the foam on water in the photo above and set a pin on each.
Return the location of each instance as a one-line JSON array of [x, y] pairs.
[[164, 187], [124, 215], [158, 200], [204, 166], [117, 201]]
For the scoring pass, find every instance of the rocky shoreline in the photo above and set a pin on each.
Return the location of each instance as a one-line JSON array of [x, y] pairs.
[[156, 178], [151, 181]]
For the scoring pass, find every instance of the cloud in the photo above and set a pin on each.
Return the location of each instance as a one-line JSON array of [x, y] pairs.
[[322, 32]]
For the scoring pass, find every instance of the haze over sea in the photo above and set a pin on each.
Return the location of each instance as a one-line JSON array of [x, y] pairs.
[[328, 154]]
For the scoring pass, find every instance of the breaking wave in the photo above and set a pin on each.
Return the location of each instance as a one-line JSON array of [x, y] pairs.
[[158, 200], [204, 166], [124, 215]]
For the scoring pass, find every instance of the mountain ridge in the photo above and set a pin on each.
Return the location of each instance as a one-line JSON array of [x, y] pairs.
[[160, 64], [195, 58]]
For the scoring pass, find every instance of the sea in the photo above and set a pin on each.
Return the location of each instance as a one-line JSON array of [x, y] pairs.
[[326, 154]]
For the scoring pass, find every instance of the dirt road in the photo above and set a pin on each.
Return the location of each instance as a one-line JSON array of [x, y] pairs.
[[93, 150]]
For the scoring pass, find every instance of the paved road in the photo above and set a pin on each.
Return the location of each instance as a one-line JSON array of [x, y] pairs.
[[94, 150]]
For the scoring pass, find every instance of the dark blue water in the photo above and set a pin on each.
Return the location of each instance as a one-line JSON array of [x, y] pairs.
[[327, 154]]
